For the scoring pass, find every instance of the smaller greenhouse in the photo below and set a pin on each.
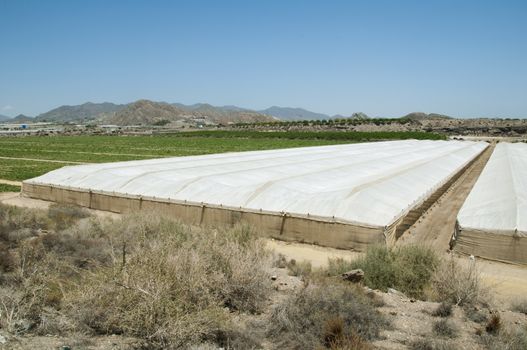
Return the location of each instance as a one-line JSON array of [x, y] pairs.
[[493, 220]]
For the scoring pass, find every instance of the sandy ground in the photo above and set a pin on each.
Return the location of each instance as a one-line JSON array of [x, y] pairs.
[[15, 199], [9, 182], [316, 255]]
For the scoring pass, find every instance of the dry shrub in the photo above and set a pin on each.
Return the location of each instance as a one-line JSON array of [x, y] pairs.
[[144, 276], [19, 223], [317, 316], [300, 269], [445, 328], [506, 339], [6, 258], [408, 268], [443, 310], [169, 284], [24, 296], [279, 260], [476, 315], [459, 285], [493, 325], [63, 215], [336, 338], [519, 306]]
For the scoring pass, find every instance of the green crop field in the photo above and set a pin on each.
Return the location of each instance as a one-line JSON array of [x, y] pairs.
[[9, 188], [26, 157]]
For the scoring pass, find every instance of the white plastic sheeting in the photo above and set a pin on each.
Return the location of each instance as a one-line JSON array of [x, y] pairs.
[[368, 183], [498, 201]]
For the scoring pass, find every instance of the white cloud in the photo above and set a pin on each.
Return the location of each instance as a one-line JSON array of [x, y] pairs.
[[7, 108]]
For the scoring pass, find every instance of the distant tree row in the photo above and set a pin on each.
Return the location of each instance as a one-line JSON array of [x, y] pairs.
[[337, 121], [317, 135]]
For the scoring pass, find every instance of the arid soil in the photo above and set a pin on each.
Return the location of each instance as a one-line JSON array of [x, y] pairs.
[[508, 282], [411, 319]]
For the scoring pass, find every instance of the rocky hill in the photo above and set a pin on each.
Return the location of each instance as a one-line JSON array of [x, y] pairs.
[[21, 118], [4, 118], [292, 114], [358, 115], [145, 112], [86, 111]]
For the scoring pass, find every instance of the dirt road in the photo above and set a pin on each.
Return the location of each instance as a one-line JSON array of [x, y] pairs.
[[436, 226], [9, 182]]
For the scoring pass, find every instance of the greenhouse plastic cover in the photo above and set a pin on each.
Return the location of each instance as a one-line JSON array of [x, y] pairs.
[[498, 201], [367, 183]]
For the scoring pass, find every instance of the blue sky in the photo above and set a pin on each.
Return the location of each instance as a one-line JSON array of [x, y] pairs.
[[384, 58]]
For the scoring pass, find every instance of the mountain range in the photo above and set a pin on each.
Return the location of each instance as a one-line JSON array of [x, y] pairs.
[[4, 118], [149, 113]]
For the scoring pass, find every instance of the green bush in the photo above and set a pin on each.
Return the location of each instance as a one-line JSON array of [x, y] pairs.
[[414, 268], [408, 269]]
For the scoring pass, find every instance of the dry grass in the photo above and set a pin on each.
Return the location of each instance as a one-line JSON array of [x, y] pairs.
[[459, 285], [331, 315], [514, 338], [170, 284], [144, 276], [519, 306], [445, 328], [443, 310], [494, 324], [300, 269]]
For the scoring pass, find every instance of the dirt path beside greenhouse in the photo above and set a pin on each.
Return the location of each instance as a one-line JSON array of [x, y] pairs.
[[9, 182], [436, 226]]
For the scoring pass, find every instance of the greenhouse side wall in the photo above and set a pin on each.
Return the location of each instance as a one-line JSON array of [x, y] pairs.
[[509, 247], [285, 227]]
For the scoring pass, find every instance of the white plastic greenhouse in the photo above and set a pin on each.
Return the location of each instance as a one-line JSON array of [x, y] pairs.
[[493, 220], [344, 196]]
